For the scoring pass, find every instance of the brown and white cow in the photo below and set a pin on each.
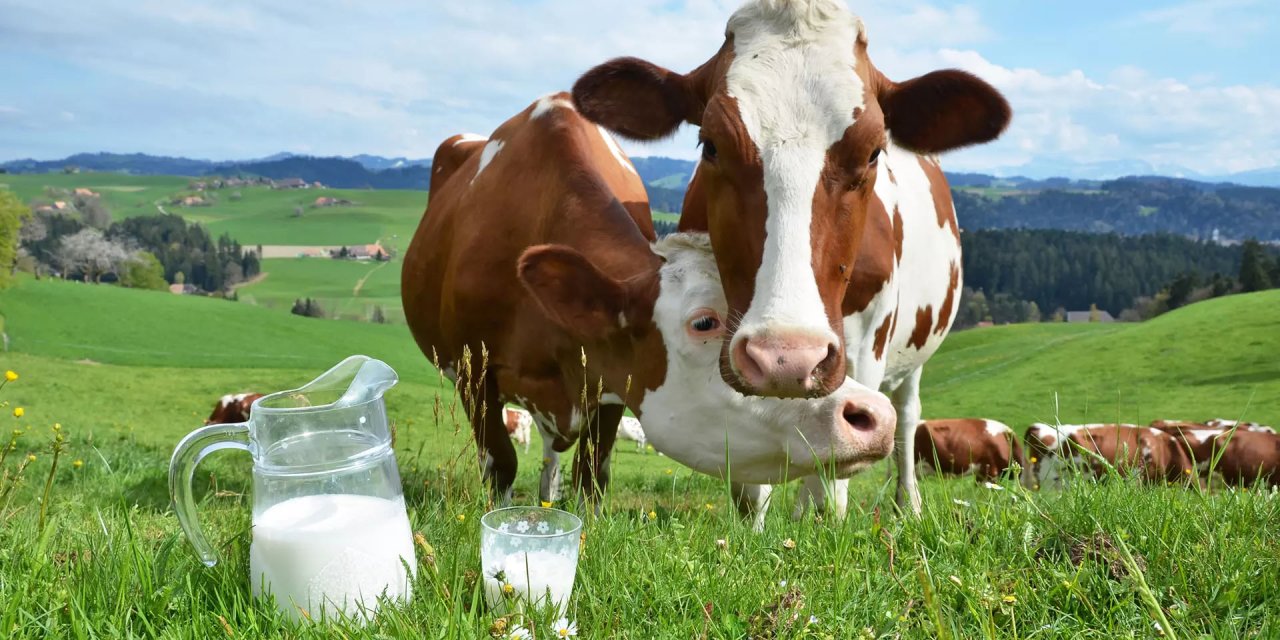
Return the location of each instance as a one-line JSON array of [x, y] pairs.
[[519, 425], [1247, 426], [807, 148], [1153, 454], [536, 252], [985, 448], [1242, 452], [232, 408]]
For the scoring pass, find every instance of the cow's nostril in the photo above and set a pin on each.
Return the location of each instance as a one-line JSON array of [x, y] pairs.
[[859, 419]]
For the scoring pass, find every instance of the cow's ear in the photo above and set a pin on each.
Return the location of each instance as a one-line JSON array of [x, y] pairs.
[[942, 110], [573, 292], [637, 99]]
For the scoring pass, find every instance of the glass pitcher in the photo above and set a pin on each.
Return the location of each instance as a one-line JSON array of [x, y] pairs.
[[330, 529]]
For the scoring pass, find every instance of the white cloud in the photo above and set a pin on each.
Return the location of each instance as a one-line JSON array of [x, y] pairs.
[[1222, 22], [206, 78]]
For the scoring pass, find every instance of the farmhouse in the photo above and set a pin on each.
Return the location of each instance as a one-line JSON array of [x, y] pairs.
[[182, 289], [290, 183], [1083, 316]]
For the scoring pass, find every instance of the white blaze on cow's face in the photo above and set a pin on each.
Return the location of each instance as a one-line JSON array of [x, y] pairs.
[[794, 88], [697, 419]]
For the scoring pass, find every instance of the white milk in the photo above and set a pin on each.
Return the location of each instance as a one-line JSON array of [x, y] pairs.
[[340, 551], [533, 574]]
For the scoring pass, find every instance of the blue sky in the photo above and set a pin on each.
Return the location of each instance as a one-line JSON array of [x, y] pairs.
[[1175, 86]]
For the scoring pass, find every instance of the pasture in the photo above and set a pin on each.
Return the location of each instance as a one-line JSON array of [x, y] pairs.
[[669, 557]]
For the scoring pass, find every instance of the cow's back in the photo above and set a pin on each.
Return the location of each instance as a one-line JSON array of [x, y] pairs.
[[544, 176]]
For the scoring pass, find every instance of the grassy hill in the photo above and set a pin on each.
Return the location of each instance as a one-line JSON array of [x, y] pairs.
[[331, 282]]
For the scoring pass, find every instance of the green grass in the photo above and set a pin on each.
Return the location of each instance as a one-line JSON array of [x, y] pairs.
[[332, 283], [111, 561]]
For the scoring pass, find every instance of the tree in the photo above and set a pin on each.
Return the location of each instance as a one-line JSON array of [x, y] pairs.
[[179, 278], [1254, 267], [12, 214], [90, 254], [1094, 316], [143, 271], [1033, 312], [92, 211]]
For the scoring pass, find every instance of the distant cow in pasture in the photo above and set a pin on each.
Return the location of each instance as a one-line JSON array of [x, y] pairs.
[[519, 425], [538, 251], [1241, 455], [1244, 426], [232, 408], [629, 429], [1151, 453], [985, 448], [831, 221]]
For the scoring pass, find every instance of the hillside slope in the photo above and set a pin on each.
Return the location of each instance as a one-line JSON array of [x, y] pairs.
[[1218, 358]]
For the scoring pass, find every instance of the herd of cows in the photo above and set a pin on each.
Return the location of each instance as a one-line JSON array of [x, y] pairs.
[[781, 332]]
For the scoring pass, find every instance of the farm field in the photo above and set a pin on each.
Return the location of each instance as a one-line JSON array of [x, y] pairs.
[[1108, 560]]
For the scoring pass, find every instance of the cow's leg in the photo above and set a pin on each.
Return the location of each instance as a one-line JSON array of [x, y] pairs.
[[591, 461], [497, 453], [906, 400], [752, 501], [549, 483], [818, 492]]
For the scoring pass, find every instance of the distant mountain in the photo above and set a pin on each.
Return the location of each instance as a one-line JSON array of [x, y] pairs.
[[333, 172], [664, 172], [135, 163], [379, 163]]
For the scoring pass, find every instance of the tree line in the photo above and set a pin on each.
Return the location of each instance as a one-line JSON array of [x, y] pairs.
[[81, 242]]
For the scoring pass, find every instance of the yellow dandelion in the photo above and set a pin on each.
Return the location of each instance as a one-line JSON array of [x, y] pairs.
[[78, 463], [546, 504], [10, 376], [653, 515], [669, 472], [508, 589], [462, 517], [18, 412], [788, 544], [1187, 471], [1033, 458], [710, 506], [1010, 599], [31, 457]]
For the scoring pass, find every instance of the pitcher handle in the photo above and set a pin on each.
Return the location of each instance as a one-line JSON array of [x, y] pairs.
[[182, 470]]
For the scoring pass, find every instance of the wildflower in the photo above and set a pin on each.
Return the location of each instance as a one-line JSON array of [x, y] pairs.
[[993, 486], [18, 412], [508, 589], [519, 633], [57, 426], [960, 502], [564, 629], [813, 619], [31, 457], [10, 376], [1010, 599], [78, 463], [462, 517], [545, 505], [782, 584], [788, 544], [1034, 459], [710, 506], [653, 515], [721, 543], [669, 472], [1187, 471]]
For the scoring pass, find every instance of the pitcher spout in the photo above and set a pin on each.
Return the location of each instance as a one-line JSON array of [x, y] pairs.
[[354, 381]]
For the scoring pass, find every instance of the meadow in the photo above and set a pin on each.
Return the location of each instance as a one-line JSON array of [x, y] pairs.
[[668, 558]]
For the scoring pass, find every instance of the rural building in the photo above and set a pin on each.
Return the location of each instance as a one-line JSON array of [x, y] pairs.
[[182, 289], [1083, 316], [290, 183]]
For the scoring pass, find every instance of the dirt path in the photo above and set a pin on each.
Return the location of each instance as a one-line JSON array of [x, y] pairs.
[[355, 292], [262, 275]]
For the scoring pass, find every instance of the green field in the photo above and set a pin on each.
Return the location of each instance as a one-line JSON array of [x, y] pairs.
[[333, 283], [127, 373]]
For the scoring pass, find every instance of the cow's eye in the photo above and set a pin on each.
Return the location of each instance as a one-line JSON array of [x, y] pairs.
[[705, 324], [708, 150], [875, 157]]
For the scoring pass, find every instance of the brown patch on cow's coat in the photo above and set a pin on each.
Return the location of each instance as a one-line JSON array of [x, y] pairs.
[[924, 322], [942, 204], [948, 305], [882, 337], [875, 263]]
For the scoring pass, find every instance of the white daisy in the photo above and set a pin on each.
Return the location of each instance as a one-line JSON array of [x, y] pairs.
[[522, 526], [519, 633], [564, 629], [993, 486], [960, 502], [543, 527]]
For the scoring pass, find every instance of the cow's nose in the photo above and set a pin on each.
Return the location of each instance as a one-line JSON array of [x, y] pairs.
[[781, 364], [866, 415]]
